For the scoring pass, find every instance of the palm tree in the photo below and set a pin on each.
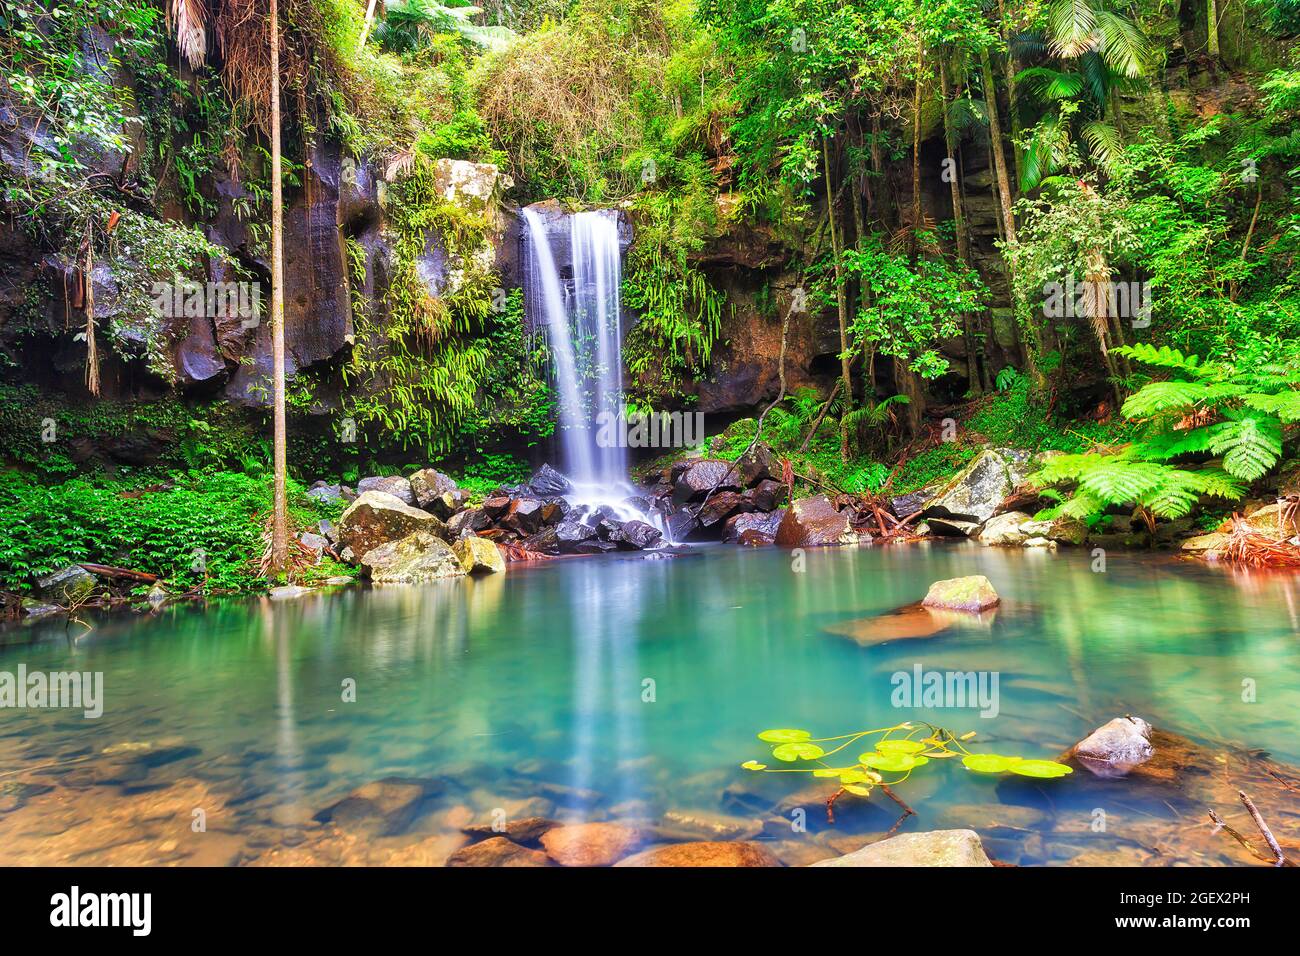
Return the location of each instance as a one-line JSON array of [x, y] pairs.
[[1093, 51]]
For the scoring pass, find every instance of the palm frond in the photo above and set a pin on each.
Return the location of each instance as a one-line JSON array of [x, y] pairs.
[[1104, 144], [1123, 45], [1073, 27]]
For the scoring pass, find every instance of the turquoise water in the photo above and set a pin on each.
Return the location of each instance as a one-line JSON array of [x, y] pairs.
[[619, 687]]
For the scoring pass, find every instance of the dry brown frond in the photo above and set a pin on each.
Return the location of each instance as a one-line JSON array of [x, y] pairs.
[[188, 21], [1247, 546]]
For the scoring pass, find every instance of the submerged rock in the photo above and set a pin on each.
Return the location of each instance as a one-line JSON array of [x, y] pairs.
[[415, 559], [972, 593], [525, 831], [377, 517], [813, 522], [590, 844], [479, 556], [497, 851], [382, 806], [730, 854], [933, 848], [1115, 748]]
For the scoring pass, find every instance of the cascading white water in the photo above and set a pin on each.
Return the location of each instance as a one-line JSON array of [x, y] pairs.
[[584, 329]]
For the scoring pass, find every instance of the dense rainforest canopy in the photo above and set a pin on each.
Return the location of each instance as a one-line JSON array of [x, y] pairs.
[[911, 227]]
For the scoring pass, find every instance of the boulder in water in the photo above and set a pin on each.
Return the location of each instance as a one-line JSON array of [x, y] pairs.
[[640, 535], [572, 531], [479, 556], [933, 848], [415, 559], [752, 521], [67, 586], [377, 517], [1116, 747], [971, 593], [1004, 530], [813, 522], [395, 485]]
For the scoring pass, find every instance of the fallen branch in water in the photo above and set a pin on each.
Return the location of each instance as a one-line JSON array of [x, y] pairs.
[[1278, 858]]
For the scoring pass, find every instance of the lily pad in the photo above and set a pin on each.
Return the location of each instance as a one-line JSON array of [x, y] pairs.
[[900, 747], [858, 790], [1040, 768], [753, 765], [797, 751], [784, 736], [989, 763], [892, 763]]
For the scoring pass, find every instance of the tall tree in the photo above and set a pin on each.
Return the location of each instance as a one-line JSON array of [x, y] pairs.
[[280, 508]]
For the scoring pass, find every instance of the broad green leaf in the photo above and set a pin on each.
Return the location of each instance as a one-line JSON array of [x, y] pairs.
[[797, 751], [858, 790], [784, 736], [900, 747], [1040, 768], [892, 763], [753, 765], [988, 763]]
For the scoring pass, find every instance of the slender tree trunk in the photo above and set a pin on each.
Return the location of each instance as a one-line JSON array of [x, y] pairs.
[[280, 510], [1212, 27], [999, 151], [840, 303], [1013, 114], [959, 226], [916, 144]]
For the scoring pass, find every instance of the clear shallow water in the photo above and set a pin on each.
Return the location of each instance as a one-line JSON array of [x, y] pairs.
[[526, 692]]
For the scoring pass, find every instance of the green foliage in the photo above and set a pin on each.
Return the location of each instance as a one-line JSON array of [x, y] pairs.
[[889, 753], [1222, 424], [197, 531], [910, 305]]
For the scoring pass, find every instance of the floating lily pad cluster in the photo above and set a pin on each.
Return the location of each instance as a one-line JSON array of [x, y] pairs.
[[898, 750]]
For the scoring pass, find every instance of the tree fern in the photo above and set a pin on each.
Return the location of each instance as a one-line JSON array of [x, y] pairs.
[[1250, 444]]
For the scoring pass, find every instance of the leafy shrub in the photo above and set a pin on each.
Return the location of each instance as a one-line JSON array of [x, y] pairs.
[[202, 530]]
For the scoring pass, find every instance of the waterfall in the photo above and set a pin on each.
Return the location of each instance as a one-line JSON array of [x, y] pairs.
[[583, 323]]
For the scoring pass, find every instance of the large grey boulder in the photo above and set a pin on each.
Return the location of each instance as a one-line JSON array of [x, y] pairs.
[[377, 517], [415, 559], [67, 586], [428, 485], [1116, 747], [1003, 530], [934, 848], [479, 555], [975, 492], [395, 485]]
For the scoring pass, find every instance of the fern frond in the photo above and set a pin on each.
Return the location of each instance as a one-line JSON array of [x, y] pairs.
[[1163, 396], [1285, 406], [1250, 445], [1163, 356]]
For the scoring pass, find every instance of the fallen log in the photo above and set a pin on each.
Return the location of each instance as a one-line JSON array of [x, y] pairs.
[[108, 571]]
